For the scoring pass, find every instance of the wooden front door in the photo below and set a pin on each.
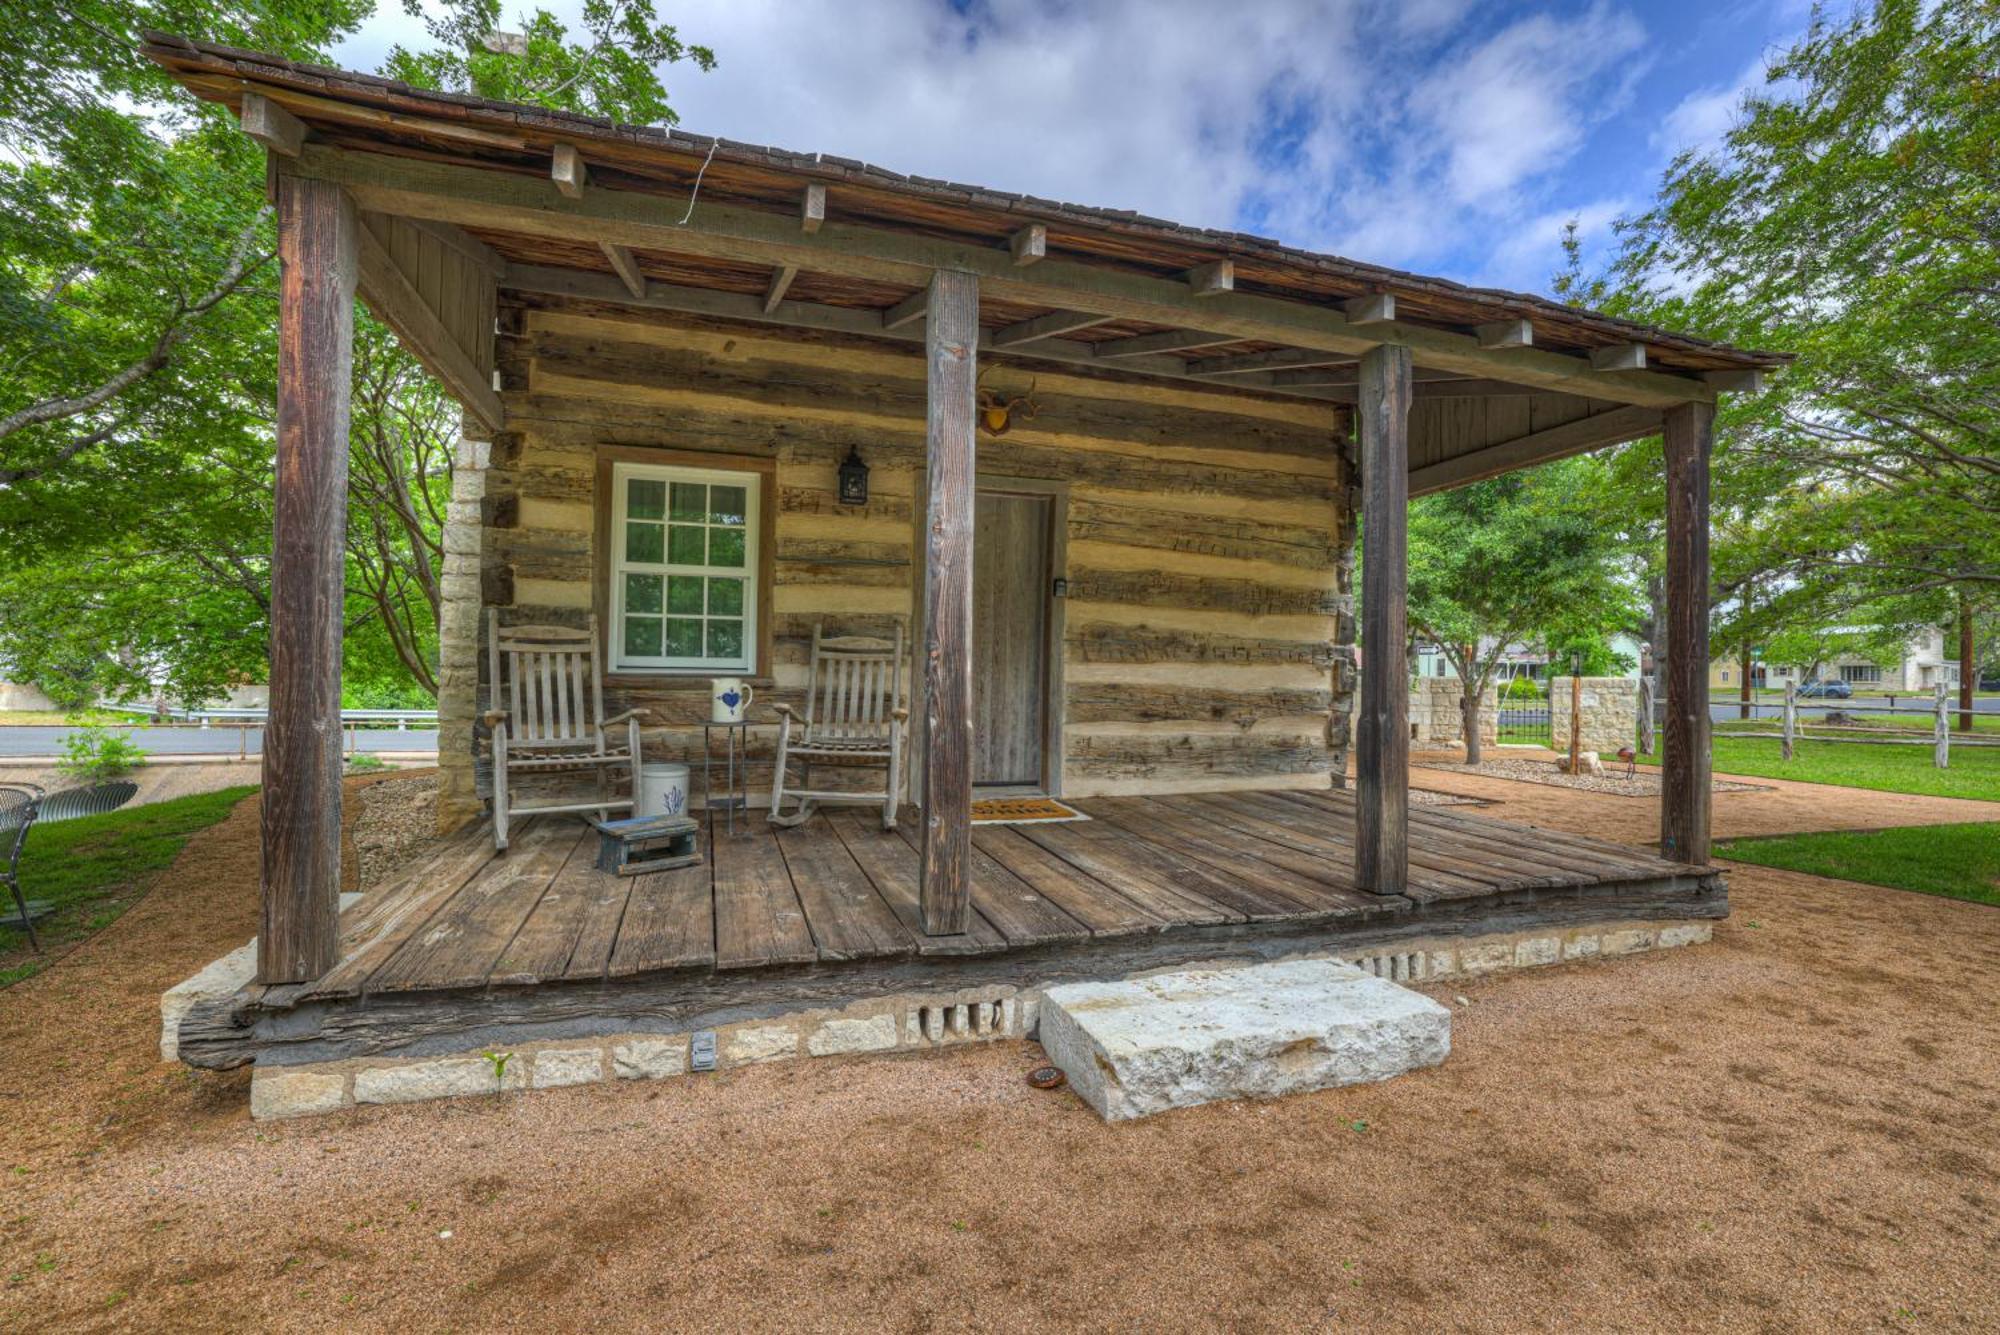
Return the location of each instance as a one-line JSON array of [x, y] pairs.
[[1010, 648]]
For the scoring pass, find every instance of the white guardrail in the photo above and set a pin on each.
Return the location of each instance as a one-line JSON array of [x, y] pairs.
[[245, 720]]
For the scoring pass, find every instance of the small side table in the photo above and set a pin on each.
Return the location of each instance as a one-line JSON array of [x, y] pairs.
[[736, 769]]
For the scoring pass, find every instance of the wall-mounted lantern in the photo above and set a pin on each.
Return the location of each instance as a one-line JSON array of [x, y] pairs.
[[853, 479]]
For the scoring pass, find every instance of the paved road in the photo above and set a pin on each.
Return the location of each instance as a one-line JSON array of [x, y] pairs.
[[1724, 711], [191, 741]]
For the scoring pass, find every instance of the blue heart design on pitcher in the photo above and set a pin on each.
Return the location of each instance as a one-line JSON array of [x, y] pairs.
[[732, 698]]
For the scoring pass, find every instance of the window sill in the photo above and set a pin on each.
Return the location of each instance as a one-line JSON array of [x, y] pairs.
[[691, 679]]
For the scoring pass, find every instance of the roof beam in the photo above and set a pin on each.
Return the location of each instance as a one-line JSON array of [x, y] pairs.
[[271, 125], [1374, 308], [1557, 442], [1506, 334], [1171, 340], [907, 311], [1029, 244], [1735, 382], [471, 247], [781, 279], [500, 201], [1212, 279], [1052, 325], [812, 209], [396, 300], [568, 170], [626, 266], [1283, 360], [1620, 357]]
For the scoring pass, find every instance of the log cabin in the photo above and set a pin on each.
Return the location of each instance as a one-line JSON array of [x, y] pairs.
[[1115, 468]]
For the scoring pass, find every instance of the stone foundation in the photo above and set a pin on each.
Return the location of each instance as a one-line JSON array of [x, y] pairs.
[[903, 1023], [1607, 715]]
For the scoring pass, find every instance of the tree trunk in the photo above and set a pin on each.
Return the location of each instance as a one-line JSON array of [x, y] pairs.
[[1468, 709], [1744, 692], [1968, 676]]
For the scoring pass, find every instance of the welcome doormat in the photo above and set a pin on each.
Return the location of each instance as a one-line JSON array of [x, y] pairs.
[[1021, 810]]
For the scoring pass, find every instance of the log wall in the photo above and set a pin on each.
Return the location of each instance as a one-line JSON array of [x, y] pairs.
[[1208, 625]]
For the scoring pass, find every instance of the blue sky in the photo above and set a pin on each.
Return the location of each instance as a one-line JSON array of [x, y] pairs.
[[1450, 137]]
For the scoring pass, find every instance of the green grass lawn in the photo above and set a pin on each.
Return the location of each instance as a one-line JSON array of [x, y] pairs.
[[1957, 861], [96, 867], [1891, 769]]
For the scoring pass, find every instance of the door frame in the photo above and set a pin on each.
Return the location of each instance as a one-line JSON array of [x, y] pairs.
[[1053, 624]]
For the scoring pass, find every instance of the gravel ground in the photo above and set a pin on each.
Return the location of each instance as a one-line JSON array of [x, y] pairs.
[[1795, 1127], [1642, 783], [398, 822]]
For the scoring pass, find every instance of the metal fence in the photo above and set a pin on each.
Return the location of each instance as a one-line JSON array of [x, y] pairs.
[[1523, 720]]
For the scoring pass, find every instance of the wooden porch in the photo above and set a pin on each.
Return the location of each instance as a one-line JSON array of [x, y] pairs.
[[840, 889]]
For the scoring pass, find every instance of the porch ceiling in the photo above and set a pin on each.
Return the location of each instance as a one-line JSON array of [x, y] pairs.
[[575, 208]]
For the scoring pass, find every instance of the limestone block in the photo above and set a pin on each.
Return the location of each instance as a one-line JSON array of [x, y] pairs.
[[1685, 934], [649, 1058], [877, 1033], [1485, 957], [1580, 948], [1536, 950], [277, 1092], [1440, 964], [568, 1066], [1174, 1040], [440, 1079], [759, 1043], [1626, 940]]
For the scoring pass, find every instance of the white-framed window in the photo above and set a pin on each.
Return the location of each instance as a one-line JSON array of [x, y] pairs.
[[684, 565], [1860, 674]]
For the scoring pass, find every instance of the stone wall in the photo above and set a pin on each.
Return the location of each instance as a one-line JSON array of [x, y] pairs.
[[458, 637], [1435, 717], [1607, 719]]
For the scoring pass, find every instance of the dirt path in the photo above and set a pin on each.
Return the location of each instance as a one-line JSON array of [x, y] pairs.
[[1797, 1126]]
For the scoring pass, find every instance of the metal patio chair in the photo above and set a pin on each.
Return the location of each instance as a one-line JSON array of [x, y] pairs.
[[854, 716], [548, 681], [92, 800], [18, 806]]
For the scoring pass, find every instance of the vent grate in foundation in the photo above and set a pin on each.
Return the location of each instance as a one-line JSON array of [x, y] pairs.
[[961, 1022], [1406, 968]]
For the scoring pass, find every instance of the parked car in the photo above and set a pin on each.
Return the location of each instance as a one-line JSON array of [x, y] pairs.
[[1826, 690]]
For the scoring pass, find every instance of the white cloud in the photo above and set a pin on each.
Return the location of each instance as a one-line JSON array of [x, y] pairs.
[[1701, 118]]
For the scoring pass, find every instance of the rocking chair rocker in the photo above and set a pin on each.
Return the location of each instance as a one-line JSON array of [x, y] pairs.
[[854, 716]]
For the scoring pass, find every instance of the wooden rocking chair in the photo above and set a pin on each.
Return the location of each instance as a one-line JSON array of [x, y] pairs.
[[854, 715], [553, 721]]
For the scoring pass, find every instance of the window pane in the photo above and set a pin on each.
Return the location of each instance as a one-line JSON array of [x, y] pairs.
[[725, 639], [684, 547], [642, 593], [642, 637], [725, 547], [725, 505], [645, 499], [684, 637], [725, 597], [645, 544], [684, 594], [690, 501]]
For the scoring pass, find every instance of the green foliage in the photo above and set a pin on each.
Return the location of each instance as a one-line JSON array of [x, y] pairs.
[[613, 73], [1593, 652], [1956, 861], [91, 754], [92, 868], [1524, 688]]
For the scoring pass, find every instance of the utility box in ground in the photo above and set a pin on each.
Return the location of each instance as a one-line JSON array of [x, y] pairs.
[[1608, 715]]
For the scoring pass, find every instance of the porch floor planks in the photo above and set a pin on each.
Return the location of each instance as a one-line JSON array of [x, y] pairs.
[[758, 917], [1259, 888], [385, 918], [541, 950], [893, 866], [669, 923], [1090, 849], [1096, 906], [463, 940], [1332, 836], [1487, 869], [1232, 847], [1017, 910], [849, 919]]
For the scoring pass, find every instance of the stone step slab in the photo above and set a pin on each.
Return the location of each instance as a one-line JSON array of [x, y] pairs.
[[1142, 1046]]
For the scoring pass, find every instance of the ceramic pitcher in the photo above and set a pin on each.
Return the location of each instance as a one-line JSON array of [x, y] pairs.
[[729, 697]]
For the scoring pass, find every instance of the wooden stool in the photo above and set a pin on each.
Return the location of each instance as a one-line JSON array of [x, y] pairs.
[[641, 844]]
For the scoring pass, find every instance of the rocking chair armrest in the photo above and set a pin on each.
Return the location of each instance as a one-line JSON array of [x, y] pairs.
[[900, 714], [640, 713], [493, 718], [786, 710]]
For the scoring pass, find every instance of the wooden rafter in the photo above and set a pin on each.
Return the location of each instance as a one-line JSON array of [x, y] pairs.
[[626, 267], [1052, 325]]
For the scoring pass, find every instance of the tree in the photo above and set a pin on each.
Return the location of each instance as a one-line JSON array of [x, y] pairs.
[[1527, 554]]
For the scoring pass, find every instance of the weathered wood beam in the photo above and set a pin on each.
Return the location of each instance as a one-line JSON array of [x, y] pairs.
[[1029, 245], [1212, 279], [470, 247], [1556, 442], [1283, 359], [1622, 357], [1382, 727], [522, 205], [951, 336], [905, 312], [812, 209], [1052, 325], [397, 302], [569, 171], [781, 279], [1506, 334], [1171, 340], [626, 266], [1374, 308], [318, 236], [1735, 382], [1685, 796], [271, 125]]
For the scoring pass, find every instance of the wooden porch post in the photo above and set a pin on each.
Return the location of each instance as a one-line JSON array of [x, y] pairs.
[[1382, 732], [1684, 769], [301, 811], [951, 337]]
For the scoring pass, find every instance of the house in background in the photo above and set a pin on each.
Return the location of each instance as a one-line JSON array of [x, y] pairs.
[[1113, 472], [1521, 659], [1922, 666]]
